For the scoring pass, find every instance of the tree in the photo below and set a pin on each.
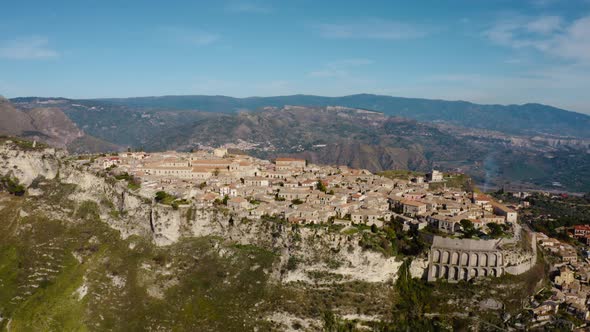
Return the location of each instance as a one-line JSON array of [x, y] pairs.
[[160, 196], [297, 201], [320, 186], [468, 228], [495, 230], [12, 185]]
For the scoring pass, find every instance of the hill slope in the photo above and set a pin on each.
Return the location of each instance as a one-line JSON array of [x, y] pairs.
[[47, 124], [514, 119]]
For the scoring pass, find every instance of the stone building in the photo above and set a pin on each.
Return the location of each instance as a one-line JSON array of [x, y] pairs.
[[464, 259]]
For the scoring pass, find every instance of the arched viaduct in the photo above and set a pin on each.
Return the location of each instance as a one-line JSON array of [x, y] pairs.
[[464, 259]]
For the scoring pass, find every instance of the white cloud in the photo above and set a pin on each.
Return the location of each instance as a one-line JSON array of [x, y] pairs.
[[546, 34], [29, 48], [545, 24], [574, 43], [247, 7], [190, 36], [372, 29]]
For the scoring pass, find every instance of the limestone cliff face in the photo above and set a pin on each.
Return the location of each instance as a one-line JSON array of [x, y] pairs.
[[322, 255], [28, 165]]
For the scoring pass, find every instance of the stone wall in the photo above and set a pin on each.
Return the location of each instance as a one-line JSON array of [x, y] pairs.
[[464, 259]]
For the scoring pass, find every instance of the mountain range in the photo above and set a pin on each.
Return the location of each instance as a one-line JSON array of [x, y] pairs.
[[515, 119], [529, 145]]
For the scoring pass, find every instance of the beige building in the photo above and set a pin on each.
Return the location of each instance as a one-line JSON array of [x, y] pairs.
[[509, 214], [290, 163], [413, 208]]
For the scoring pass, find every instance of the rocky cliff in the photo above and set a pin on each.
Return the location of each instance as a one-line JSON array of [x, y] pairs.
[[114, 239]]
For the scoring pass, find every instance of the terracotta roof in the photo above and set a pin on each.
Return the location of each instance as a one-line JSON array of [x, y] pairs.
[[212, 162], [482, 197], [412, 203], [289, 159], [202, 169]]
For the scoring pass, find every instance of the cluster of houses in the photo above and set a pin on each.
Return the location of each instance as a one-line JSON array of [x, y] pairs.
[[446, 209], [306, 193], [570, 283]]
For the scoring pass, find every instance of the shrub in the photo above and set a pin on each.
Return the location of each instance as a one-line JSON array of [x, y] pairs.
[[297, 201], [12, 185], [292, 263]]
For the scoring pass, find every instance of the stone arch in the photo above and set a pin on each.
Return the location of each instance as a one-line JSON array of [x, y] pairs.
[[464, 258], [455, 258], [473, 273], [435, 256], [444, 272], [493, 273], [465, 274], [483, 259], [435, 271], [492, 261], [473, 259], [445, 257], [498, 259], [454, 273], [482, 272]]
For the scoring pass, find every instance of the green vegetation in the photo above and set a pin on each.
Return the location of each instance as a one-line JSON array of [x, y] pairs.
[[163, 197], [468, 228], [132, 182], [296, 201], [88, 211], [391, 240], [11, 185], [45, 267], [413, 303], [550, 214], [23, 144], [400, 174], [253, 201], [496, 230], [321, 186]]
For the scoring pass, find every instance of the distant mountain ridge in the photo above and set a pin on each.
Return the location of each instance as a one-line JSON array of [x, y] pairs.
[[526, 119], [533, 144]]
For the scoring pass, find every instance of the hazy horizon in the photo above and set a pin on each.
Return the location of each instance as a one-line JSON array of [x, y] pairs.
[[492, 52], [294, 94]]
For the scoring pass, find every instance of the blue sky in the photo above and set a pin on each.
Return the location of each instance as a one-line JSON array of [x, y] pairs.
[[487, 51]]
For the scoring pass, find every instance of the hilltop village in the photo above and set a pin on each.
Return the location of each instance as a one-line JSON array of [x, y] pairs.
[[331, 224], [304, 193]]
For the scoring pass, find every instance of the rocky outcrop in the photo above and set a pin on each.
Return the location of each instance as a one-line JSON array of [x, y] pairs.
[[322, 256], [28, 165]]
